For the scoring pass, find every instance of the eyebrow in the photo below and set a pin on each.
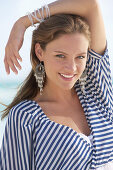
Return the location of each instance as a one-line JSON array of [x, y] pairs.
[[67, 54]]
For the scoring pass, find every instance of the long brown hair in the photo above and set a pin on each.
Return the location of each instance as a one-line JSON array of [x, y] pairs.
[[47, 31]]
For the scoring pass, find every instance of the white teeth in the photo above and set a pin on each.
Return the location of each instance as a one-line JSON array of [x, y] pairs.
[[67, 76]]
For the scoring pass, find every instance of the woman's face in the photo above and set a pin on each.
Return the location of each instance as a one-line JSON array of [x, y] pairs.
[[65, 59]]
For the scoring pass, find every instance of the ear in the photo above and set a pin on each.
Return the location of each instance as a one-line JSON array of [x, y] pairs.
[[39, 52]]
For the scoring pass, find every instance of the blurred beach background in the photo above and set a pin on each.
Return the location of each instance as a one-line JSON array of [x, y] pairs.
[[10, 11]]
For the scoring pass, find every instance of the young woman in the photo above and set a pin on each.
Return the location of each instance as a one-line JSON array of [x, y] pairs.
[[61, 118]]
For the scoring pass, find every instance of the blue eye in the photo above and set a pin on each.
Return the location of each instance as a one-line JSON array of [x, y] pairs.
[[81, 57], [60, 56]]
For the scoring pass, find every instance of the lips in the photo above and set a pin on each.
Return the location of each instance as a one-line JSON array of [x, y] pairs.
[[66, 76]]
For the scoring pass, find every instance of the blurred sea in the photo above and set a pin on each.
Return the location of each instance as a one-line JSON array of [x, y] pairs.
[[7, 92]]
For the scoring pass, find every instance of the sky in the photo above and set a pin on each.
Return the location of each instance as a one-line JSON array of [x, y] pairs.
[[11, 10]]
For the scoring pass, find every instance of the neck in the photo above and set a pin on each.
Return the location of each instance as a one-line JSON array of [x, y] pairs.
[[56, 94]]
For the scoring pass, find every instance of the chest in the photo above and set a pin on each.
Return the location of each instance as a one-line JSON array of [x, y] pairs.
[[71, 115], [60, 147]]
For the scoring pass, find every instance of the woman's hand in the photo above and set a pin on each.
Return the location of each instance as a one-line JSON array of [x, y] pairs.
[[13, 46], [89, 9]]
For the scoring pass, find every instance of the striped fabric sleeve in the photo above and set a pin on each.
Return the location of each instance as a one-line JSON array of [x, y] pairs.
[[16, 150], [99, 80]]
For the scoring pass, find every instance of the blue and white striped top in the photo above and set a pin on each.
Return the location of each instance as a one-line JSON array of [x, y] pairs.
[[33, 142]]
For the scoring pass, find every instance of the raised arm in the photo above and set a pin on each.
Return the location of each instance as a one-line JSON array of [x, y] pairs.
[[89, 9]]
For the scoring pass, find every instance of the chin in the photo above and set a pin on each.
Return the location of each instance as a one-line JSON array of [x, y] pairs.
[[67, 87]]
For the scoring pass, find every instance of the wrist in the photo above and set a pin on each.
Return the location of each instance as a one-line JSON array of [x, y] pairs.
[[24, 22]]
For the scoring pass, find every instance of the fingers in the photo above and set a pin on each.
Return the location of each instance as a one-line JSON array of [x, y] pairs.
[[11, 62], [18, 56], [6, 67], [15, 61]]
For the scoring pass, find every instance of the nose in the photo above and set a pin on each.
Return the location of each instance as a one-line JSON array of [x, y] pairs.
[[71, 66]]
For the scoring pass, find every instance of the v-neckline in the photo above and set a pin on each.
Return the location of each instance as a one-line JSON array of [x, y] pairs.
[[56, 122]]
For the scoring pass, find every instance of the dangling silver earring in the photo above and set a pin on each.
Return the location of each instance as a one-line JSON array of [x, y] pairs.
[[40, 75], [82, 80]]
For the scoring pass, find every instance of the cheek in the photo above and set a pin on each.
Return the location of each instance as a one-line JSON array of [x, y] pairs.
[[51, 66], [81, 66]]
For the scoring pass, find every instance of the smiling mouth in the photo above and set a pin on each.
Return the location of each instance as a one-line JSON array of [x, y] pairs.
[[67, 77]]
